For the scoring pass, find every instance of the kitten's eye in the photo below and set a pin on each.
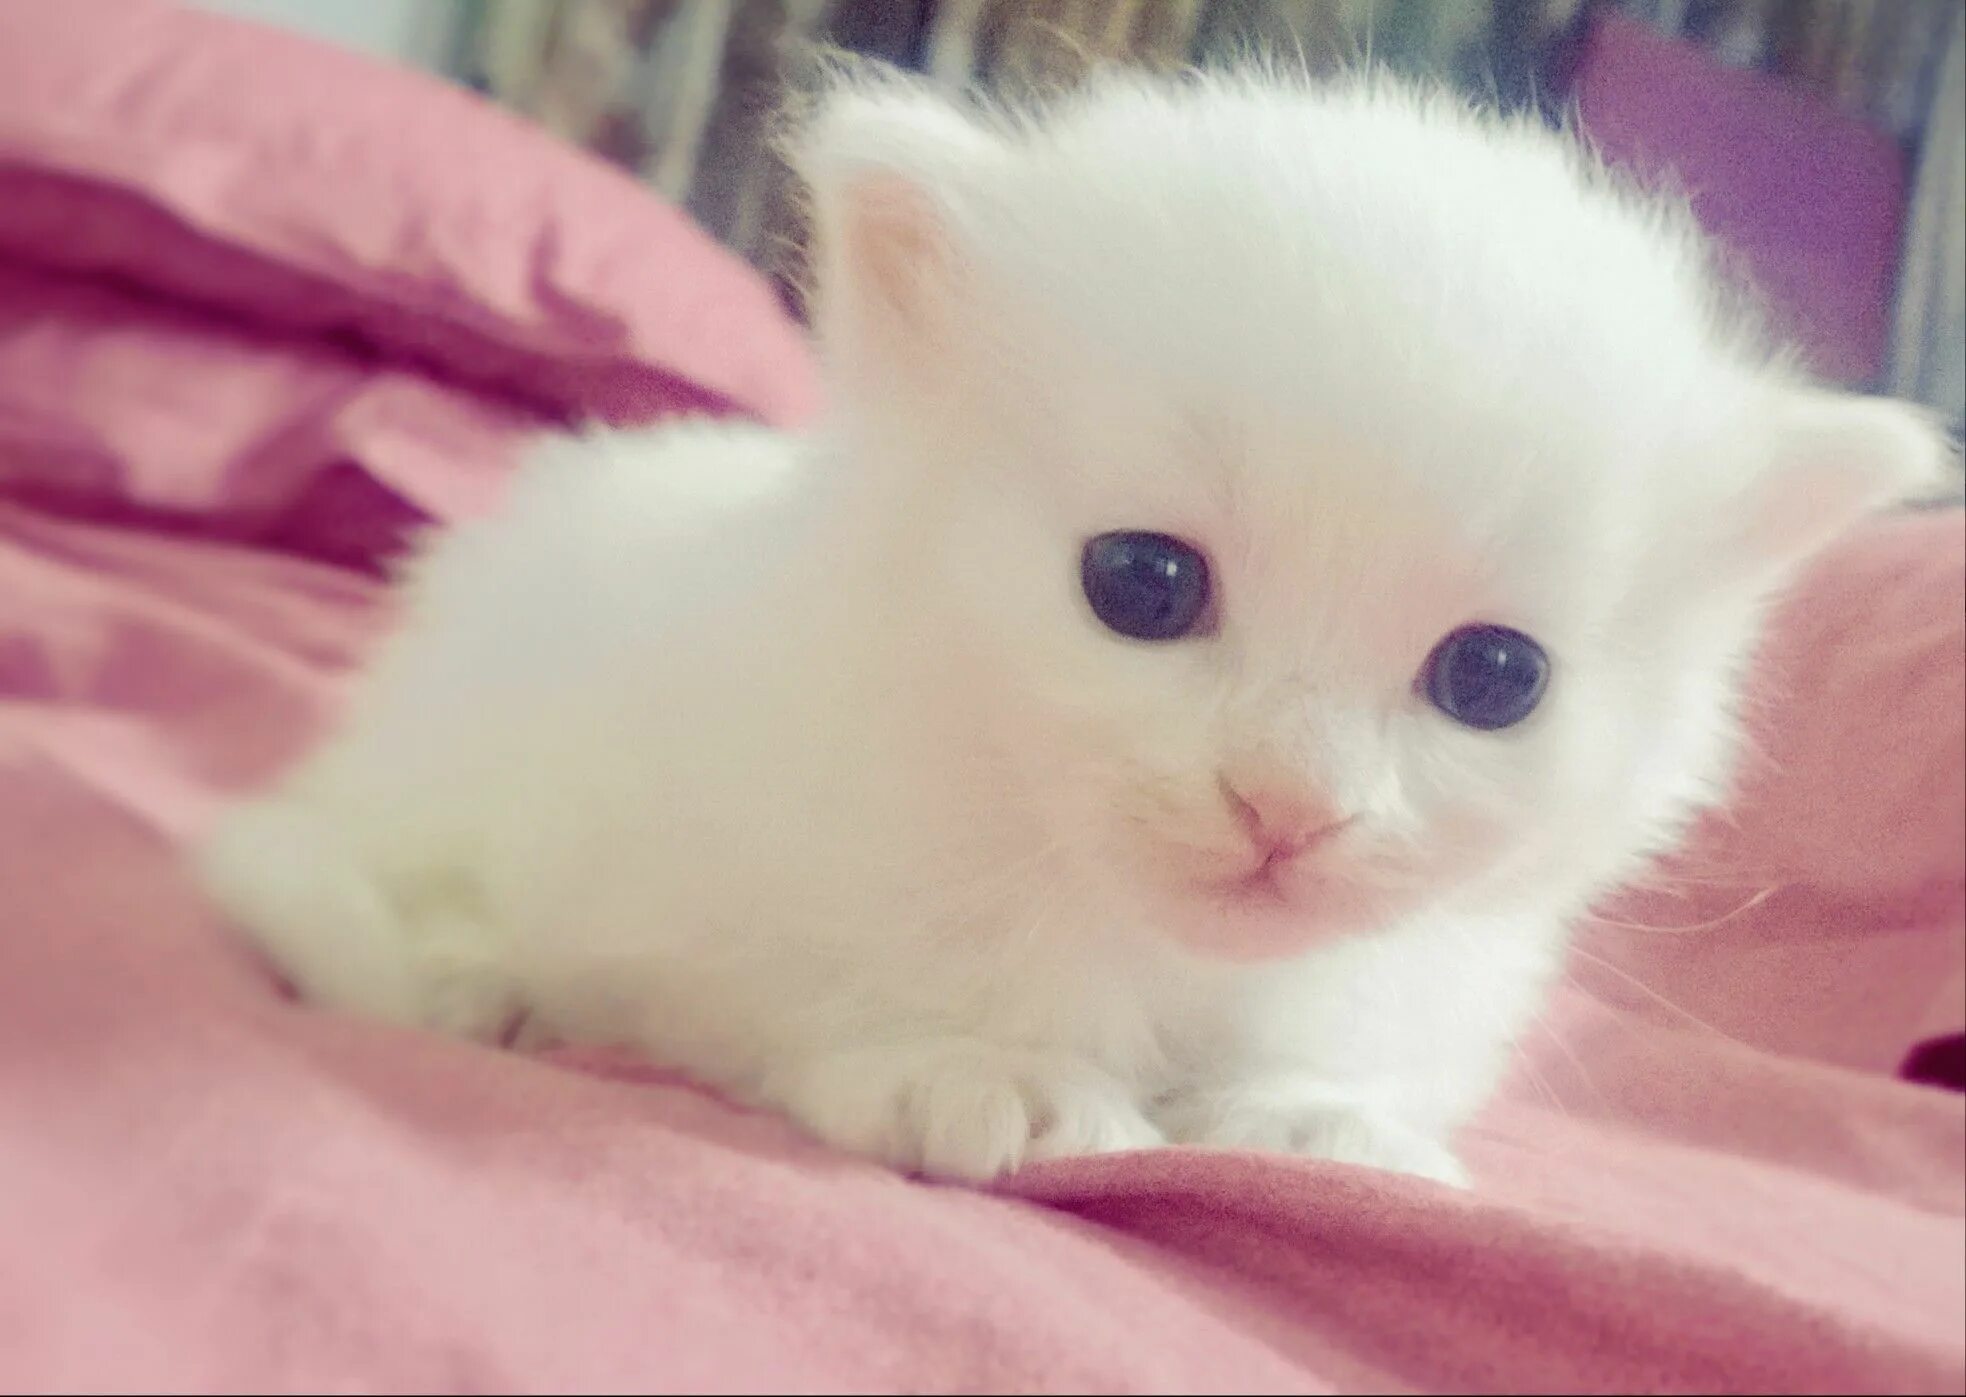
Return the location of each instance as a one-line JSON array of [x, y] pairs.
[[1486, 677], [1146, 586]]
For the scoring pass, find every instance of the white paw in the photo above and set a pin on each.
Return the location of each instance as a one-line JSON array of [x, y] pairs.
[[461, 991], [960, 1109], [1305, 1119], [348, 939]]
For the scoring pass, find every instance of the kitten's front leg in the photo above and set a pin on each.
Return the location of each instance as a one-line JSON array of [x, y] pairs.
[[960, 1108], [1292, 1115]]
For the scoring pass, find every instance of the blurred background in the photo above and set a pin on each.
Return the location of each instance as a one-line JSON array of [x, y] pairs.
[[1822, 141]]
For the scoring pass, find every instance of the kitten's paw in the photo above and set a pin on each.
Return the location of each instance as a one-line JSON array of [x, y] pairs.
[[1292, 1118], [462, 991], [350, 940], [960, 1109]]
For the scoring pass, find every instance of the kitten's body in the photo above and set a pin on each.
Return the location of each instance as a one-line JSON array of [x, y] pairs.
[[799, 764]]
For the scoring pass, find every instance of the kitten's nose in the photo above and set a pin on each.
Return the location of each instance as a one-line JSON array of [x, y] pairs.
[[1283, 819]]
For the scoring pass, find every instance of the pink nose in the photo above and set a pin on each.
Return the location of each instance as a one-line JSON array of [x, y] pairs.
[[1283, 820]]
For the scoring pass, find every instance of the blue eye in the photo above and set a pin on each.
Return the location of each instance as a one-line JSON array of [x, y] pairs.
[[1145, 586], [1486, 677]]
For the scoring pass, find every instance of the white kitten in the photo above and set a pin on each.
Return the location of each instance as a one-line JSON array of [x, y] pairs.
[[871, 777]]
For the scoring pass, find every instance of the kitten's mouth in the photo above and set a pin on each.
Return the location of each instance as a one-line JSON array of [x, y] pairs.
[[1275, 907], [1250, 916], [1259, 889]]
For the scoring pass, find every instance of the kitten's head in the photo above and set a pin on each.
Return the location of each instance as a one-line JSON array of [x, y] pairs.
[[1319, 504]]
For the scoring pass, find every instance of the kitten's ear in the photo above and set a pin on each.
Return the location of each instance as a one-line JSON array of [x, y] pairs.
[[889, 168], [1836, 457]]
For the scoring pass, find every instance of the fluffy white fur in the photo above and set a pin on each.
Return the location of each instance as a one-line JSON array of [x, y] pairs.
[[802, 764]]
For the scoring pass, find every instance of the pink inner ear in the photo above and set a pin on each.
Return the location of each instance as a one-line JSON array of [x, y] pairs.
[[1838, 458], [1798, 510], [892, 248]]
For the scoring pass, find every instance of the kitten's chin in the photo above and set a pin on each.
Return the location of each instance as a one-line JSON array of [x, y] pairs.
[[1255, 919]]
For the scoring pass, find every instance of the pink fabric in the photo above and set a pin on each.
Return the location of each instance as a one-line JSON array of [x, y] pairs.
[[205, 1188], [114, 402], [1808, 198], [1814, 895], [237, 269]]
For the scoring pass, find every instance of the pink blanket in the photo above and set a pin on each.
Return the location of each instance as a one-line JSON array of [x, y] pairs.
[[205, 1188], [1703, 1177]]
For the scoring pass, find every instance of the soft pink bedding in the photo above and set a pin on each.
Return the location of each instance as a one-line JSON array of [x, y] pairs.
[[1703, 1177]]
